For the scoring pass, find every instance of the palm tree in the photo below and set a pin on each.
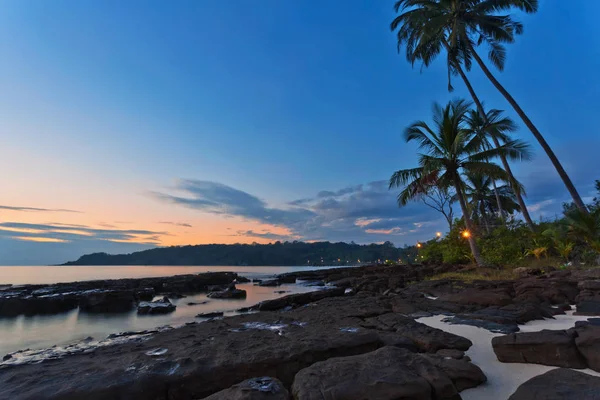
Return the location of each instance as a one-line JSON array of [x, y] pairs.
[[451, 149], [427, 27], [485, 201], [498, 128], [428, 190]]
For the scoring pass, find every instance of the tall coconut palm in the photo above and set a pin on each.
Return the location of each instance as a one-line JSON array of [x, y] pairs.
[[449, 150], [497, 129], [427, 27], [485, 200]]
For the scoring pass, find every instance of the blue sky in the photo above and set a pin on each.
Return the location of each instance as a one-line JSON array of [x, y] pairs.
[[113, 109]]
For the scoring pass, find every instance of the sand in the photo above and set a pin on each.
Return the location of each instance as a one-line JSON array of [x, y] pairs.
[[503, 378]]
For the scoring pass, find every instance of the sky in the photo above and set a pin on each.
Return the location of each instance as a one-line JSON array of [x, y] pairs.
[[130, 125]]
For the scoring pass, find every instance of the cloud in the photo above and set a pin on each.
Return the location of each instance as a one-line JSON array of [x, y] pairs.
[[35, 209], [364, 213], [176, 224], [71, 233]]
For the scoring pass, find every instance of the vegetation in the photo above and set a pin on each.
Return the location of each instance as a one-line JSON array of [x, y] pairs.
[[451, 150], [427, 27], [279, 254], [573, 239]]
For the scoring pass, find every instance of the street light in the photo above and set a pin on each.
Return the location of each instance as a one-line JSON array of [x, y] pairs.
[[419, 245], [466, 234], [438, 234]]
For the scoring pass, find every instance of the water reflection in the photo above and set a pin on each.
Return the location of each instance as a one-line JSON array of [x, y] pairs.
[[43, 331]]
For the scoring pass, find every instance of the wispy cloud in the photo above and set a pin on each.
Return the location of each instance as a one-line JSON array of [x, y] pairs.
[[176, 224], [70, 233], [363, 213], [36, 209]]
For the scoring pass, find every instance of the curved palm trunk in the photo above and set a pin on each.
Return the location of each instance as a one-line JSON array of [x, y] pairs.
[[468, 222], [559, 168], [500, 209], [505, 164]]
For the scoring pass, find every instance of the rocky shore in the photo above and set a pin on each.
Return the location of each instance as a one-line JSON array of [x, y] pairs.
[[106, 296], [358, 341]]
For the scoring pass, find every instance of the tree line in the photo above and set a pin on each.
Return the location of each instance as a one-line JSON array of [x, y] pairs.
[[274, 254]]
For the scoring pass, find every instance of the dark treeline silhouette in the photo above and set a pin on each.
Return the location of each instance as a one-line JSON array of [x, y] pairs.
[[276, 254]]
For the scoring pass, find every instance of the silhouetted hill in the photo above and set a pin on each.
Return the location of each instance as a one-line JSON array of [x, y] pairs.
[[287, 253]]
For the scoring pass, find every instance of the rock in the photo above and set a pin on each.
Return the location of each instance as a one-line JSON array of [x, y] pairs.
[[229, 293], [114, 295], [588, 344], [426, 338], [107, 301], [559, 384], [6, 357], [213, 314], [270, 283], [388, 373], [546, 347], [162, 306], [375, 375], [494, 297], [299, 299], [490, 326], [281, 291], [264, 388], [198, 303], [463, 374], [456, 354], [588, 307]]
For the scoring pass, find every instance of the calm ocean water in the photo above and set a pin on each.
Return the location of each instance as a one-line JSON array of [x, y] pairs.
[[44, 331]]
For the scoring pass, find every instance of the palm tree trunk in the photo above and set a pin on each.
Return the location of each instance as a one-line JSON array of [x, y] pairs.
[[500, 209], [505, 164], [468, 222], [559, 168]]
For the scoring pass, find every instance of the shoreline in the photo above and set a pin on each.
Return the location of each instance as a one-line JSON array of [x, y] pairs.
[[376, 311]]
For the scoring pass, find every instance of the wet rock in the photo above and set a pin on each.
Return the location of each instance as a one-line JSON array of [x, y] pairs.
[[489, 325], [270, 283], [107, 301], [281, 291], [299, 299], [145, 294], [559, 384], [229, 293], [588, 344], [162, 306], [30, 305], [463, 374], [214, 314], [197, 303], [546, 347], [263, 388], [456, 354]]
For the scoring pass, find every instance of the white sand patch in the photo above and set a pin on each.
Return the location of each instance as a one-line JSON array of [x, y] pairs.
[[503, 378]]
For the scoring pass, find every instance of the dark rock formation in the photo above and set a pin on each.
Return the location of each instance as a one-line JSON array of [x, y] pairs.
[[388, 373], [162, 306], [588, 344], [118, 295], [263, 388], [230, 293], [111, 301], [559, 384], [298, 299], [214, 314], [546, 347]]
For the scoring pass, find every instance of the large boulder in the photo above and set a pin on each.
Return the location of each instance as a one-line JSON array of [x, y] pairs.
[[111, 301], [33, 305], [588, 300], [546, 347], [472, 296], [388, 373], [588, 344], [559, 384], [263, 388], [425, 337], [377, 375]]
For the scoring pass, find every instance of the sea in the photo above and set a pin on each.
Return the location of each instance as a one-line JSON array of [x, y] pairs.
[[65, 329]]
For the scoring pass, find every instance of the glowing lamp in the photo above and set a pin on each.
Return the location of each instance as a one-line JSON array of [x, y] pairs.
[[419, 245], [466, 234], [438, 234]]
